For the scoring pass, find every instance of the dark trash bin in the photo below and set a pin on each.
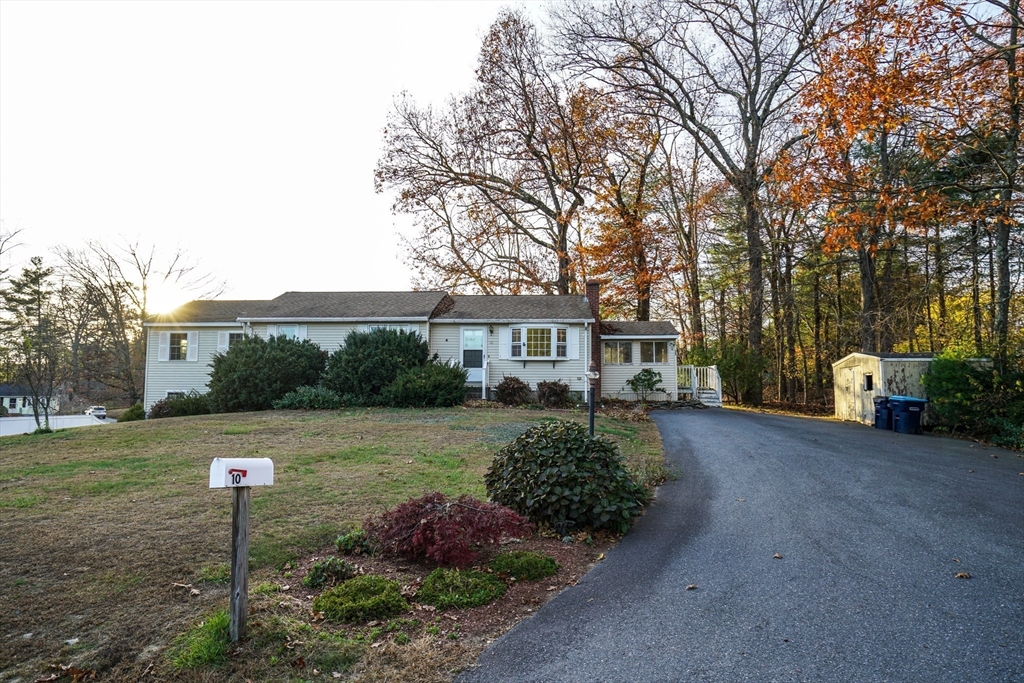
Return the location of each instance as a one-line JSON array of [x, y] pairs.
[[883, 413], [906, 413]]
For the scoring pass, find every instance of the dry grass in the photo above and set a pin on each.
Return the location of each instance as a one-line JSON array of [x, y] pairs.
[[97, 525]]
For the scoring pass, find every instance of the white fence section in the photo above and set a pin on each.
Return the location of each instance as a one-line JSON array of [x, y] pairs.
[[702, 383], [9, 426]]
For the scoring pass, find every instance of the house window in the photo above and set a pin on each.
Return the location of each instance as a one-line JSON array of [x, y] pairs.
[[408, 329], [179, 346], [517, 342], [618, 353], [654, 352], [869, 382], [175, 394], [538, 342], [288, 331], [562, 342], [234, 338], [13, 403]]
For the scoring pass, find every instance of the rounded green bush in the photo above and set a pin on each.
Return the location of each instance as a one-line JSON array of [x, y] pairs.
[[557, 474], [361, 599], [328, 571], [460, 588], [136, 412], [524, 565]]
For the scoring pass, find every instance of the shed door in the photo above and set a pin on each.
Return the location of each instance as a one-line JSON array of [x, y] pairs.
[[473, 353], [852, 396]]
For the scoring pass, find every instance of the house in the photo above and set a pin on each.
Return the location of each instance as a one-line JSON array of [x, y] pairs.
[[533, 337], [18, 400]]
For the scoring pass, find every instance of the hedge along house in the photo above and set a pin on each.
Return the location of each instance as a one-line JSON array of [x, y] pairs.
[[535, 338], [859, 377]]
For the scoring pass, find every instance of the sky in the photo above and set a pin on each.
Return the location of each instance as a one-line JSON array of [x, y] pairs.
[[243, 133]]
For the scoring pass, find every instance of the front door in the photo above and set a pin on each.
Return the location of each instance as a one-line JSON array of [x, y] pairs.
[[473, 353]]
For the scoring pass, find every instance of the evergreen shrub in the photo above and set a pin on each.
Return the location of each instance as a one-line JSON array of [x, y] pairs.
[[434, 385], [460, 588], [369, 362], [136, 412], [309, 398], [522, 565], [255, 372], [192, 403], [556, 474], [361, 599], [328, 572]]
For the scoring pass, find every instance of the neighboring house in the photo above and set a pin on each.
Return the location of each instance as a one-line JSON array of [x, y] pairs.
[[18, 400], [859, 377], [535, 338]]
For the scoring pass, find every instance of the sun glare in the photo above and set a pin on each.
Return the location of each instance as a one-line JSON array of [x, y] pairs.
[[164, 298]]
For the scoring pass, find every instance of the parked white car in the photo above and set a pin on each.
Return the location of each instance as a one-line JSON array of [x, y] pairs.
[[97, 411]]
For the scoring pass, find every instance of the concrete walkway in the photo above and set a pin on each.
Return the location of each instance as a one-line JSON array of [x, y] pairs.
[[871, 528]]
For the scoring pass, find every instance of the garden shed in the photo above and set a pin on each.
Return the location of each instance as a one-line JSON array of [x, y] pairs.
[[860, 377]]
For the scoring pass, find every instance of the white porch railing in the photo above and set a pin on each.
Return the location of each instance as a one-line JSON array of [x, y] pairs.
[[702, 383]]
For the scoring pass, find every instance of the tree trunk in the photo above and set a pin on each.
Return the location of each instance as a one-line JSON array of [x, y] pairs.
[[976, 289], [755, 282]]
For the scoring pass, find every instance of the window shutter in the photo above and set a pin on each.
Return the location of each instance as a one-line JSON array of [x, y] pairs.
[[222, 342], [271, 331], [504, 343], [301, 334], [574, 343], [164, 349], [192, 353]]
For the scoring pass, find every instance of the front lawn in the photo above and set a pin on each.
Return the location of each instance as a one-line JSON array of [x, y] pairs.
[[112, 545]]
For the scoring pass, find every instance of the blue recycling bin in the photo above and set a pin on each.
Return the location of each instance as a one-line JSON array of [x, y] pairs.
[[883, 413], [906, 413]]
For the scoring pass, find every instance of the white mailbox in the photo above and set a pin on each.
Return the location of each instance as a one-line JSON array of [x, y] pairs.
[[235, 472]]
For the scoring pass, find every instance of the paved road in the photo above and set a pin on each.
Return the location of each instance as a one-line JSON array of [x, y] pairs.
[[869, 526]]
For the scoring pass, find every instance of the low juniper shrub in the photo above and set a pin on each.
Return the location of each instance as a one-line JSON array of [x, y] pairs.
[[136, 412], [512, 391], [434, 385], [460, 588], [436, 529], [361, 599], [556, 474], [328, 572], [309, 398], [192, 403], [522, 565]]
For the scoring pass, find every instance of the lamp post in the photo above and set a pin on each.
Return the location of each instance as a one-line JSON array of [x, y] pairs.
[[592, 375]]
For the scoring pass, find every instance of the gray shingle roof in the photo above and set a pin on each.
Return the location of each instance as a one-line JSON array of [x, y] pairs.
[[356, 305], [512, 308], [210, 311], [632, 328], [14, 390], [897, 356]]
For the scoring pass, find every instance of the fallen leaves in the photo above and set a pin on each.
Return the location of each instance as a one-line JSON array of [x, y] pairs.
[[73, 672], [691, 587], [777, 556], [963, 575], [191, 591]]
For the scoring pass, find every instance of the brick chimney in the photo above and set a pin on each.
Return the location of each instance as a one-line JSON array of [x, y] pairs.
[[594, 299]]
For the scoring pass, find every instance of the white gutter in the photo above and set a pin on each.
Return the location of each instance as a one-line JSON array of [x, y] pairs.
[[231, 323], [639, 336], [510, 321], [305, 319]]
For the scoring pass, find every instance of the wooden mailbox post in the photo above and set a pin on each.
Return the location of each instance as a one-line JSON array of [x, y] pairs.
[[239, 474]]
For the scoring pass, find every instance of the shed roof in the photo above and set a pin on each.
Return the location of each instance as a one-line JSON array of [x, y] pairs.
[[638, 328], [517, 307]]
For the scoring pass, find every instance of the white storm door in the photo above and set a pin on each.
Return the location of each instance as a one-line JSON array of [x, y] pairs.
[[473, 353]]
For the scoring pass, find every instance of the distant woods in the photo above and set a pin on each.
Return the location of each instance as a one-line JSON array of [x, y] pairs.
[[788, 182], [71, 324]]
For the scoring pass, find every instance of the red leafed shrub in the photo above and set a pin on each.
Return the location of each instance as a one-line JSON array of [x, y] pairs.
[[444, 531]]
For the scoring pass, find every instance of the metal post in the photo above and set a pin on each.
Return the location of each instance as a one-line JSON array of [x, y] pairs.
[[239, 562], [591, 410]]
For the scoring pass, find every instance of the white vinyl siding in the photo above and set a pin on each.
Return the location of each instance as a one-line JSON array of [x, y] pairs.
[[192, 374], [330, 336], [614, 376], [446, 339]]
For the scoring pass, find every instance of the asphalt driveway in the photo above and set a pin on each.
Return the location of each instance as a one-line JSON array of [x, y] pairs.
[[870, 529]]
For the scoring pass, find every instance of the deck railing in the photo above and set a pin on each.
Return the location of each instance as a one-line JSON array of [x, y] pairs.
[[701, 382]]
